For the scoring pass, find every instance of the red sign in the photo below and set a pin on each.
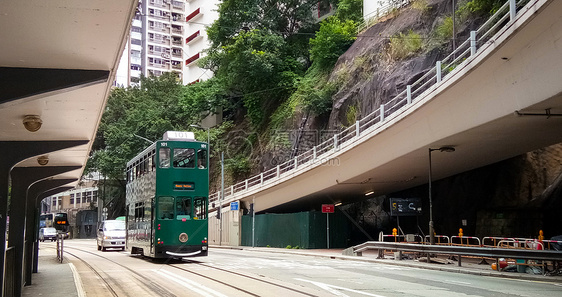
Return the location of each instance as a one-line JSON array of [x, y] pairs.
[[327, 208]]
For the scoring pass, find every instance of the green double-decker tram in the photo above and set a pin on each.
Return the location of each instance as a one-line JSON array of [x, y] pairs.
[[167, 198]]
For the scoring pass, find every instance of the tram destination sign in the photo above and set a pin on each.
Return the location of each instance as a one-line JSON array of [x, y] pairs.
[[405, 206]]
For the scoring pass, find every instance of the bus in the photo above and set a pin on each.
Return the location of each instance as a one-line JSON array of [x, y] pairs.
[[46, 220], [167, 198]]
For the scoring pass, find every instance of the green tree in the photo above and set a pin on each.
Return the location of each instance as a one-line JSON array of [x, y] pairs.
[[256, 70], [283, 17], [351, 10], [130, 116], [331, 41]]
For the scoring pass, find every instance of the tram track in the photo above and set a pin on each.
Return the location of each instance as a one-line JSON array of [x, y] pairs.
[[237, 274], [163, 292], [146, 282]]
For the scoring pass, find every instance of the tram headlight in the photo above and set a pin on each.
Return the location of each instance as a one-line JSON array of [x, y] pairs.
[[204, 241]]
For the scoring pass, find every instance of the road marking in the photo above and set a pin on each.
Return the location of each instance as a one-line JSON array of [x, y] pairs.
[[350, 281], [333, 289], [455, 282], [77, 281], [199, 288]]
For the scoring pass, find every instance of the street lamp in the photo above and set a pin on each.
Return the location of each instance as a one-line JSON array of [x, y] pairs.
[[446, 149]]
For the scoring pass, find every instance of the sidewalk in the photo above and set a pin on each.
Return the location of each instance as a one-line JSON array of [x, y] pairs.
[[52, 278], [469, 265]]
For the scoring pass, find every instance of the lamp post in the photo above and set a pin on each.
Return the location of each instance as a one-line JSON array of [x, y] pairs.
[[454, 31], [446, 149]]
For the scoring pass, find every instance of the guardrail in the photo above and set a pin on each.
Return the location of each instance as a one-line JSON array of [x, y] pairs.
[[373, 123], [460, 251]]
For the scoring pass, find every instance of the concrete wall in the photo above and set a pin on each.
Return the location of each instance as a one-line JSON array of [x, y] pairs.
[[230, 228]]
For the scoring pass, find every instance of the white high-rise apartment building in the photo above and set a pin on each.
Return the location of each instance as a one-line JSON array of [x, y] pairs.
[[168, 35]]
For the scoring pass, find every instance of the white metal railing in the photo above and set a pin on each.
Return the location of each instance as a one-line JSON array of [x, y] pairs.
[[396, 106]]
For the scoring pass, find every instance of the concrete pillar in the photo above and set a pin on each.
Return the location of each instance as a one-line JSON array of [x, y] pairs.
[[22, 179], [13, 152], [32, 221], [38, 203]]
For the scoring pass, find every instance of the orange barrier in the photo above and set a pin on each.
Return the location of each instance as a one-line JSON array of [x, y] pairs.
[[441, 240], [552, 245], [465, 241], [492, 241]]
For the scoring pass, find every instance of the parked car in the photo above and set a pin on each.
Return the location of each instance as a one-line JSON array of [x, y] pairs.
[[111, 234], [47, 233]]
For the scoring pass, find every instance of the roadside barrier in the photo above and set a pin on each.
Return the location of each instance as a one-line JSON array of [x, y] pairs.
[[440, 239], [521, 243], [408, 238], [465, 241], [502, 244], [492, 241], [555, 245]]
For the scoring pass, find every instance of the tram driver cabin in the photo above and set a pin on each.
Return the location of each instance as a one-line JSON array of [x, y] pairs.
[[167, 198]]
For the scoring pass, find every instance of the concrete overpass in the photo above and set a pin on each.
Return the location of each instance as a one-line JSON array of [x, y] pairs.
[[57, 64], [505, 99]]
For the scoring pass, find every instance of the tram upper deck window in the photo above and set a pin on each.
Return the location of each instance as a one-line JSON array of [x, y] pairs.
[[164, 157], [201, 159], [166, 208], [184, 158], [183, 208]]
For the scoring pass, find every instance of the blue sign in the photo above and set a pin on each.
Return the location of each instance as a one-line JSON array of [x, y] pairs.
[[234, 205]]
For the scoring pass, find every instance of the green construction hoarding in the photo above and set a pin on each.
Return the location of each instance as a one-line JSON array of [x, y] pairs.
[[306, 230]]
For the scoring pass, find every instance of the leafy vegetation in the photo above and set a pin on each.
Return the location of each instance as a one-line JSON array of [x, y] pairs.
[[420, 5], [444, 32], [331, 41], [351, 114], [482, 7], [403, 45]]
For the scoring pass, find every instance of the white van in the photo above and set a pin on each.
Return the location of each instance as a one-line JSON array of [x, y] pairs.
[[47, 234], [111, 234]]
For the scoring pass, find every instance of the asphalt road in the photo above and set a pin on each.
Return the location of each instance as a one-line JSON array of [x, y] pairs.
[[260, 273]]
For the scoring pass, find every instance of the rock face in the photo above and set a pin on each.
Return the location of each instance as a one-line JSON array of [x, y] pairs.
[[515, 197]]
